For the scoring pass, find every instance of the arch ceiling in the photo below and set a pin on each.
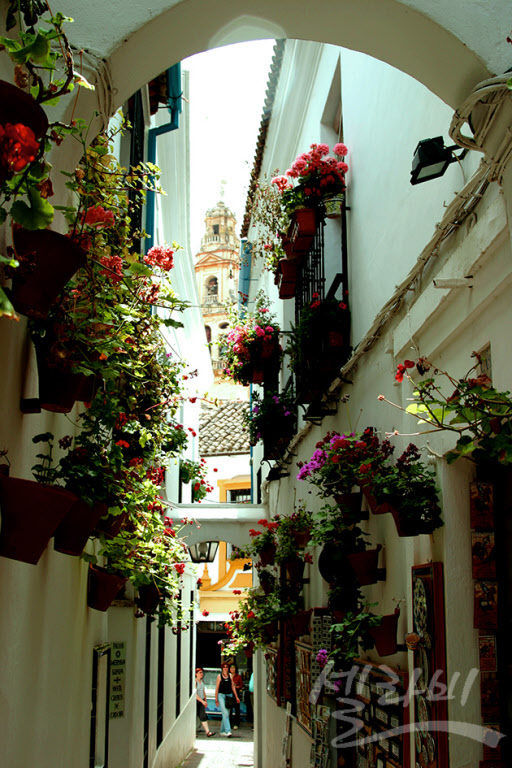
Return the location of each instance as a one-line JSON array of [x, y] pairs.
[[448, 45]]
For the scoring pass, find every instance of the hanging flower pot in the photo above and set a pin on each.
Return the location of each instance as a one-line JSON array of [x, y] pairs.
[[301, 538], [53, 259], [332, 205], [294, 569], [349, 503], [376, 509], [248, 650], [365, 565], [89, 385], [267, 554], [16, 106], [299, 623], [77, 526], [302, 230], [149, 597], [111, 525], [267, 582], [58, 387], [31, 513], [102, 587], [270, 631], [286, 278], [335, 339], [384, 635], [406, 527]]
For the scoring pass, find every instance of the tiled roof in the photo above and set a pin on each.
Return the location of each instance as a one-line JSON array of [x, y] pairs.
[[221, 429]]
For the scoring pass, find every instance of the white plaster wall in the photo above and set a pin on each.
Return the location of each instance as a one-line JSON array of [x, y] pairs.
[[393, 221]]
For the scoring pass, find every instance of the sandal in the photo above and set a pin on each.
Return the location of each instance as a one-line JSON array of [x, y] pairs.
[[209, 733]]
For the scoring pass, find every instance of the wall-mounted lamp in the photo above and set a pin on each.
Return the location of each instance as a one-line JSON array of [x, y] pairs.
[[431, 159], [204, 551]]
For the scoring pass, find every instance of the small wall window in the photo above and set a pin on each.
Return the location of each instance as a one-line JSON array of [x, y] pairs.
[[223, 326], [215, 229]]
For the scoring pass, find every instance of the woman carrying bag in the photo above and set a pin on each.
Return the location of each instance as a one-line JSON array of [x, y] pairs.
[[201, 702], [223, 688]]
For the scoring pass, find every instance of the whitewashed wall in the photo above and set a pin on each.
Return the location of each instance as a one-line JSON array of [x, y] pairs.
[[384, 116]]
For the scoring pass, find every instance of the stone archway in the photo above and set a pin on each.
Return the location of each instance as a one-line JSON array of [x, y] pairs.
[[433, 49]]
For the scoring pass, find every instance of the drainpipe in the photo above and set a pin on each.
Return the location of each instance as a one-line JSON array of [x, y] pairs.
[[174, 105], [244, 280]]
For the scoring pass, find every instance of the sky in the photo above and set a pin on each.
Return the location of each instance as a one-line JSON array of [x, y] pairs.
[[227, 92]]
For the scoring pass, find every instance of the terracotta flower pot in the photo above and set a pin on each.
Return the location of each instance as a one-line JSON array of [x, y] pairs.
[[270, 631], [268, 554], [351, 502], [248, 650], [55, 260], [102, 587], [74, 530], [302, 230], [149, 596], [286, 278], [59, 388], [16, 106], [365, 565], [31, 513], [335, 339], [376, 509], [267, 584], [333, 564], [301, 538], [384, 635], [111, 525]]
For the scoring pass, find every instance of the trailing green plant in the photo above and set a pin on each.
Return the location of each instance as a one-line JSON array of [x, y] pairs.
[[351, 633], [270, 413], [271, 220], [310, 334], [472, 408], [330, 527]]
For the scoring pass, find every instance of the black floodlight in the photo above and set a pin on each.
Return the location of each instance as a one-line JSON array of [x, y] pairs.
[[431, 159]]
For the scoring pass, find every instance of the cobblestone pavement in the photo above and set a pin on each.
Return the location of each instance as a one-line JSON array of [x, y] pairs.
[[221, 752]]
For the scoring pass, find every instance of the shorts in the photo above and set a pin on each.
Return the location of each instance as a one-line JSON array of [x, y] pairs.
[[201, 712]]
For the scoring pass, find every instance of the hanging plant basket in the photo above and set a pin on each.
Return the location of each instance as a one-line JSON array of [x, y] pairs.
[[149, 597], [16, 106], [31, 513], [332, 205], [54, 258], [77, 526], [102, 587], [384, 635], [410, 527], [88, 388], [286, 278], [365, 565], [267, 583], [302, 230]]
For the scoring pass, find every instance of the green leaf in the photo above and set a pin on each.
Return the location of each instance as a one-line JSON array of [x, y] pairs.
[[6, 308], [89, 558], [44, 437], [37, 215]]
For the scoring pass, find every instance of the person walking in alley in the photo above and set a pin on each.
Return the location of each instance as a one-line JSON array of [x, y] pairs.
[[201, 700], [239, 684], [223, 688]]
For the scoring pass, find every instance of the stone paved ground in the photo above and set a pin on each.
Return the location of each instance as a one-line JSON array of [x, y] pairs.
[[221, 752]]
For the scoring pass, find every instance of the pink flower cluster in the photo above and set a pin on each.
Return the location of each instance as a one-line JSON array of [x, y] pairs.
[[316, 173], [160, 256]]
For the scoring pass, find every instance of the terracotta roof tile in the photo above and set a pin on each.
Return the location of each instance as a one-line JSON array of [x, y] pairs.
[[221, 429]]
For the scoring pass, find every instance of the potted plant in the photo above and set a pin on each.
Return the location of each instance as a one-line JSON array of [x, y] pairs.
[[352, 632], [470, 407], [271, 418], [264, 543], [194, 472], [31, 512], [319, 342], [409, 489], [340, 462], [252, 346]]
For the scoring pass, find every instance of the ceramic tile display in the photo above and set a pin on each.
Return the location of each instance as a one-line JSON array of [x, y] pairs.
[[383, 738], [303, 685], [431, 745], [319, 757], [272, 676]]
